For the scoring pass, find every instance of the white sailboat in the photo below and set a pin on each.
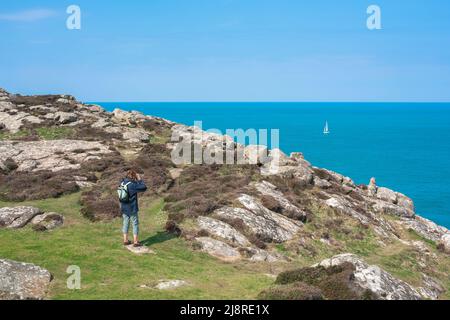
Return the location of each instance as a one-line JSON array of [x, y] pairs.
[[326, 130]]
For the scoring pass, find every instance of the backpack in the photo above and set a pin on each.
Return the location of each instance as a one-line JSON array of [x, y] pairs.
[[122, 192]]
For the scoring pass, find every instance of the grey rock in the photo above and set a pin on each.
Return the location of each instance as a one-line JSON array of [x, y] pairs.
[[23, 281], [13, 122], [386, 195], [260, 255], [223, 230], [65, 117], [47, 221], [385, 207], [54, 155], [424, 227], [218, 249], [261, 221], [170, 284], [445, 240], [374, 279], [285, 167], [139, 250], [321, 183], [431, 288], [255, 154], [268, 189], [17, 217]]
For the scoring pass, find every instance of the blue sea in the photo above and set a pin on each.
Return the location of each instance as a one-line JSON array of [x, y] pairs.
[[406, 146]]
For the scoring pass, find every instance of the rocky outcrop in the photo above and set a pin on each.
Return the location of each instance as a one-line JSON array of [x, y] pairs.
[[47, 221], [288, 167], [445, 241], [218, 249], [260, 255], [425, 228], [374, 279], [23, 281], [53, 155], [132, 135], [267, 224], [286, 207], [14, 120], [223, 230], [17, 217], [432, 289]]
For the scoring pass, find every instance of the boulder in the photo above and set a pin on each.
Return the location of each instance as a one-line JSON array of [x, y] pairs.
[[321, 183], [95, 108], [65, 117], [385, 207], [431, 288], [386, 195], [14, 121], [267, 224], [23, 281], [222, 230], [445, 240], [218, 249], [343, 205], [424, 227], [374, 279], [53, 155], [287, 208], [255, 154], [128, 118], [17, 217], [260, 255], [136, 135], [47, 221], [296, 168]]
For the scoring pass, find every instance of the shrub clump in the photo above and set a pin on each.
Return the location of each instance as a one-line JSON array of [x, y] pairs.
[[98, 207], [294, 291], [201, 189], [21, 186], [335, 282], [172, 227]]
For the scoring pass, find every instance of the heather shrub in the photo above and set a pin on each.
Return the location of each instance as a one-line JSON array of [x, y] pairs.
[[295, 291], [172, 227], [335, 282], [97, 207], [21, 186]]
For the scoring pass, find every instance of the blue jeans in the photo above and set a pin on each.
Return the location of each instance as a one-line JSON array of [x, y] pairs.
[[126, 223]]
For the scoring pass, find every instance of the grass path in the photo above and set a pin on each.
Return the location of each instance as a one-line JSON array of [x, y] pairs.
[[108, 271]]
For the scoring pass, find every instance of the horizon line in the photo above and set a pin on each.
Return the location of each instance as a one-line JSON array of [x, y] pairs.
[[354, 102]]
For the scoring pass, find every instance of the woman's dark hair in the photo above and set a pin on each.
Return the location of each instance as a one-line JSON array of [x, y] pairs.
[[132, 175]]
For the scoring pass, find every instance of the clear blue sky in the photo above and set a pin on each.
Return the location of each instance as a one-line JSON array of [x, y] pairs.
[[228, 50]]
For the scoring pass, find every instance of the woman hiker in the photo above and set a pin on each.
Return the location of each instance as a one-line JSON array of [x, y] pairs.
[[128, 191]]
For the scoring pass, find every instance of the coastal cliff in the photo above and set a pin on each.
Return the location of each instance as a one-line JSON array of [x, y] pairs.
[[311, 233]]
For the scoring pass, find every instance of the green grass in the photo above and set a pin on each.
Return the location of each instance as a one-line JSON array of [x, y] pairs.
[[109, 271], [12, 136], [45, 133], [54, 133]]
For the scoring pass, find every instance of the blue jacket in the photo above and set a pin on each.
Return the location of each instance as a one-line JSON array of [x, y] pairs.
[[133, 189]]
